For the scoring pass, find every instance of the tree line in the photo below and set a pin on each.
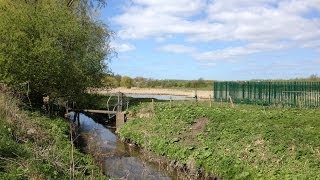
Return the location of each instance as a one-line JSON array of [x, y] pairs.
[[53, 48], [141, 82], [113, 81]]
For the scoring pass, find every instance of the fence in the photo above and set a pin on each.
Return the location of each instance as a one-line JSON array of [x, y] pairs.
[[293, 94]]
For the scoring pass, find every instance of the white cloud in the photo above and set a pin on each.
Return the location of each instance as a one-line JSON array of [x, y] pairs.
[[176, 7], [227, 53], [146, 18], [160, 39], [122, 47], [234, 52], [261, 24], [176, 48]]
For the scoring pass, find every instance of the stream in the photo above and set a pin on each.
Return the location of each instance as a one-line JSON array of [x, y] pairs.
[[118, 159]]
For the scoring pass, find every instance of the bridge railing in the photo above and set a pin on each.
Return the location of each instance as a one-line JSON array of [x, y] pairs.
[[121, 104]]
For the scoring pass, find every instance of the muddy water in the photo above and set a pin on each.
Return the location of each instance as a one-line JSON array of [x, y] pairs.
[[118, 159]]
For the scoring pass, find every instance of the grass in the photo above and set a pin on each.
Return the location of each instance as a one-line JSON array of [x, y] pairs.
[[241, 142], [33, 146]]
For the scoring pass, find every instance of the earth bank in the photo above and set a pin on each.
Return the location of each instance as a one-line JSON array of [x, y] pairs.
[[230, 142]]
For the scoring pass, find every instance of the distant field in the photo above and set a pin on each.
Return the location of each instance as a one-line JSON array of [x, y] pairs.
[[202, 94]]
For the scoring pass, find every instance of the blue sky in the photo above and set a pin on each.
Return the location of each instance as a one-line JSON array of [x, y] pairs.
[[215, 39]]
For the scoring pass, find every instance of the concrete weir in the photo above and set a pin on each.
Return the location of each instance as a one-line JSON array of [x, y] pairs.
[[119, 110], [120, 119]]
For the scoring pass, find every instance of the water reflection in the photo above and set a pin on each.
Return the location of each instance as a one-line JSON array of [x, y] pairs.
[[119, 159]]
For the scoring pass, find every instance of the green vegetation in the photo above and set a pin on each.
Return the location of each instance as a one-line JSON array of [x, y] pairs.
[[125, 81], [35, 147], [241, 142], [52, 47], [141, 82]]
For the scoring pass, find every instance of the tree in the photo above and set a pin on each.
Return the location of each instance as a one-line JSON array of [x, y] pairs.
[[57, 48], [126, 82], [110, 81], [140, 82], [313, 77]]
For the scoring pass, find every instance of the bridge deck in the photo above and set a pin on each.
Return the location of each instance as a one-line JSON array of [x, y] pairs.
[[95, 111]]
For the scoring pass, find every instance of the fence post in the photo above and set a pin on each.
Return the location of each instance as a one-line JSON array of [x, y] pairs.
[[269, 94], [295, 93], [248, 90], [214, 90], [317, 95], [243, 84], [152, 104], [226, 90], [231, 101]]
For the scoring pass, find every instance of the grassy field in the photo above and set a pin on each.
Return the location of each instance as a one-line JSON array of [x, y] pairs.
[[232, 142], [33, 146]]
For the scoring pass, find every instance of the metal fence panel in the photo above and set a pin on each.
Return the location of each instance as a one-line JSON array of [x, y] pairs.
[[290, 93]]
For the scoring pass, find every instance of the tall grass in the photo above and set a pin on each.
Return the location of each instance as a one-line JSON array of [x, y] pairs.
[[33, 146]]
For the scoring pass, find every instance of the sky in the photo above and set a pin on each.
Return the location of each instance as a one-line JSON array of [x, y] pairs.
[[214, 39]]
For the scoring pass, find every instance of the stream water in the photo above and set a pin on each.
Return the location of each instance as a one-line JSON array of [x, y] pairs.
[[118, 159]]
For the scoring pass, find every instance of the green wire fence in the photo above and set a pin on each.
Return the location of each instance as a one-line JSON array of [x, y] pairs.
[[293, 94]]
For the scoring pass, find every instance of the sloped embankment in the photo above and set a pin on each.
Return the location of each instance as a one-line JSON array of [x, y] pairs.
[[36, 147], [230, 142]]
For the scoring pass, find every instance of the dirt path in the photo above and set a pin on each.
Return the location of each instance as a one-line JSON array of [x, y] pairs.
[[157, 91]]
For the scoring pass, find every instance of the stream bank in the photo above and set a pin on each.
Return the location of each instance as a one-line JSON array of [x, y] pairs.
[[34, 146], [232, 142]]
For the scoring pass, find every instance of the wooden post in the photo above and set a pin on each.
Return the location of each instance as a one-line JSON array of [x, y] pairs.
[[74, 117], [210, 100], [196, 95], [127, 105], [152, 104], [120, 119], [67, 107], [121, 102], [170, 102], [78, 119], [231, 102], [118, 104]]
